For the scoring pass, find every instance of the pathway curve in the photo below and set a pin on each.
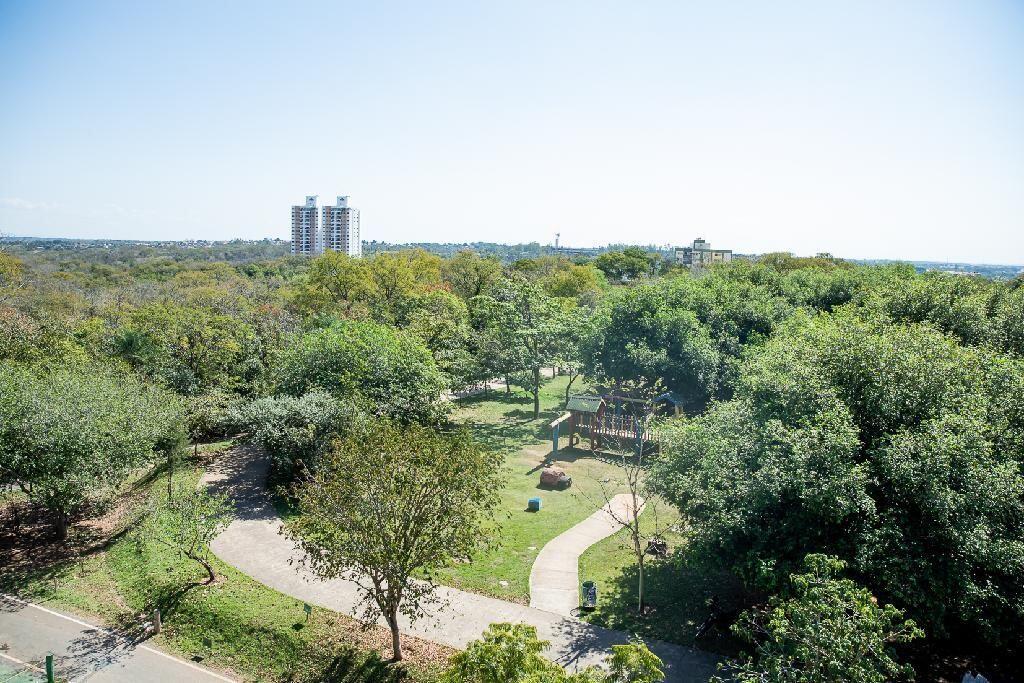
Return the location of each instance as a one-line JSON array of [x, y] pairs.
[[555, 577], [254, 546]]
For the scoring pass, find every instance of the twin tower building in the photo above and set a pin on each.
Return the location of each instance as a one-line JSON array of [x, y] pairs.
[[338, 229]]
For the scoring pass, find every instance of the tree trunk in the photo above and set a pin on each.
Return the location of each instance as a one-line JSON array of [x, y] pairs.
[[568, 387], [396, 638], [211, 577], [508, 387], [61, 523], [640, 585], [536, 393], [170, 475]]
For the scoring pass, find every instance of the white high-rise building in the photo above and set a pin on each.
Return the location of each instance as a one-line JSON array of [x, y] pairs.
[[341, 229], [305, 236]]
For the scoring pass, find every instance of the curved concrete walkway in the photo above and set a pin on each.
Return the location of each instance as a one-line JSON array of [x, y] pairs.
[[254, 545], [555, 577]]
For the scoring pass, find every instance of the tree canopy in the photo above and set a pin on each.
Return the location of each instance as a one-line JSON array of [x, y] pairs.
[[391, 501], [891, 446], [69, 435], [391, 370]]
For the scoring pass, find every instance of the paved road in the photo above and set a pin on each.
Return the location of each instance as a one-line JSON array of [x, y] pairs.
[[82, 652], [555, 576], [254, 545]]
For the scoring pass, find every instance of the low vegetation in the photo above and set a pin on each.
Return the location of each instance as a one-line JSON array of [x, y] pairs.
[[511, 653], [234, 624]]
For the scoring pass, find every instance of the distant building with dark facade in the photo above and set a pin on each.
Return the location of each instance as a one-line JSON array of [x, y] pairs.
[[700, 254]]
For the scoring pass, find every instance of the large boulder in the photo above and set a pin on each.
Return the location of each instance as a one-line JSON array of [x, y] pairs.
[[554, 477]]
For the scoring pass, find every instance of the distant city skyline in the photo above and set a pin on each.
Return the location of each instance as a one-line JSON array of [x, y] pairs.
[[872, 131]]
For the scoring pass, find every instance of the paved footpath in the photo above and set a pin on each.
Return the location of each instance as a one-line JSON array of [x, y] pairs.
[[253, 545], [82, 652], [497, 385], [555, 576]]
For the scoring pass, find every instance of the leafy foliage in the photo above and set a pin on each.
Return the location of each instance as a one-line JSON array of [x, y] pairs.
[[189, 521], [69, 435], [629, 264], [830, 629], [890, 446], [390, 501], [511, 653], [296, 431], [391, 370], [520, 331]]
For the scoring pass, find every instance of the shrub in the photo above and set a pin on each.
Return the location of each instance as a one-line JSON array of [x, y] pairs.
[[295, 431]]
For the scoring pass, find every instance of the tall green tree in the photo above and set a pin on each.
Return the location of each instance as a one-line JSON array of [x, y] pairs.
[[893, 447], [336, 283], [390, 503], [191, 348], [631, 263], [70, 435], [441, 321], [396, 278], [640, 337], [468, 274], [828, 629], [521, 325], [391, 370]]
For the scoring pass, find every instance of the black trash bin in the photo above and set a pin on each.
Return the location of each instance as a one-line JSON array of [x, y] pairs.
[[589, 598]]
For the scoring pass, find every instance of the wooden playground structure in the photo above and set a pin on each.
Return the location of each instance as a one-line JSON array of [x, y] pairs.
[[612, 416]]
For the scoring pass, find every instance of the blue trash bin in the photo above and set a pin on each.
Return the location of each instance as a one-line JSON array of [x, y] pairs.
[[533, 505]]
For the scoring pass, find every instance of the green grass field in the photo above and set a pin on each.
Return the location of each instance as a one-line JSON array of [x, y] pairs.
[[675, 594], [505, 424], [235, 625]]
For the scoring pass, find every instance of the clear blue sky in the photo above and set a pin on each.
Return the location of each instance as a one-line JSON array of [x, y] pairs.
[[868, 129]]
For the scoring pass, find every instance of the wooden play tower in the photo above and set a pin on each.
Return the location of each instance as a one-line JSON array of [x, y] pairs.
[[608, 417]]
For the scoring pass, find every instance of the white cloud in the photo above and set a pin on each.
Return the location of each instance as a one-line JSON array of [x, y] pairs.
[[24, 204]]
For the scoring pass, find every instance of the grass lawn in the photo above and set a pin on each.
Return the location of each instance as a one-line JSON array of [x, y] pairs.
[[676, 595], [505, 423], [235, 625]]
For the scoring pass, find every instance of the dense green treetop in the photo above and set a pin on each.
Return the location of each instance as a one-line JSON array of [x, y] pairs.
[[392, 501], [826, 628], [71, 434], [892, 446], [392, 370]]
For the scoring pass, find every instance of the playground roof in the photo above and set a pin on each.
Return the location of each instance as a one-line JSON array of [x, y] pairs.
[[668, 396], [584, 404]]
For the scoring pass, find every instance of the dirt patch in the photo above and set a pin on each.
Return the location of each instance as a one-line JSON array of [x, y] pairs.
[[28, 539]]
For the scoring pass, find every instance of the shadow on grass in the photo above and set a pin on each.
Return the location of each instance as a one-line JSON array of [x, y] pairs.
[[676, 600], [350, 666], [571, 455], [516, 428]]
